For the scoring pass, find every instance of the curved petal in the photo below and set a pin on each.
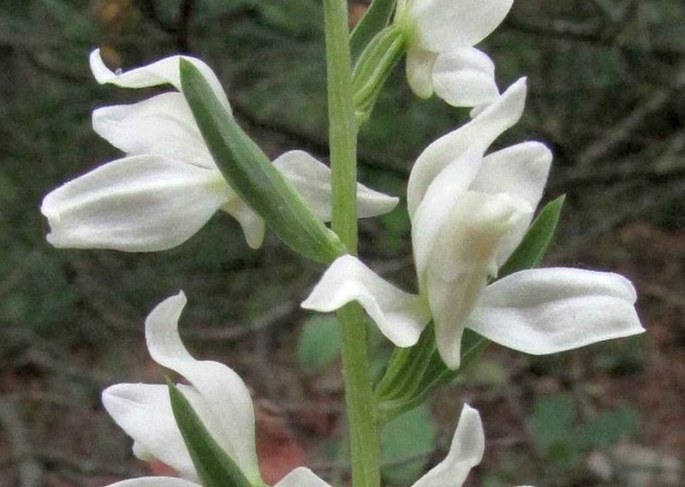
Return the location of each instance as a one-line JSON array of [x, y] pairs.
[[520, 171], [144, 412], [482, 130], [312, 179], [444, 193], [162, 125], [302, 477], [461, 259], [466, 451], [228, 412], [447, 25], [164, 71], [465, 78], [135, 204], [154, 482], [252, 224], [543, 311], [420, 71], [400, 316]]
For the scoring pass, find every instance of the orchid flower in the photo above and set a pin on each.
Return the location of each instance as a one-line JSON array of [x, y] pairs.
[[217, 394], [168, 186], [441, 58], [469, 212], [222, 401]]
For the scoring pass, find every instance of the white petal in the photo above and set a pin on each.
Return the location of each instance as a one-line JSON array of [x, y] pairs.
[[164, 71], [466, 451], [229, 414], [302, 477], [312, 179], [400, 316], [447, 25], [420, 71], [162, 125], [520, 171], [543, 311], [443, 194], [482, 130], [465, 78], [135, 204], [251, 223], [461, 259], [144, 412], [154, 482]]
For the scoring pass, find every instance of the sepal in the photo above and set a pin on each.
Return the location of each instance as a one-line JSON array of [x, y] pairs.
[[250, 173], [374, 20]]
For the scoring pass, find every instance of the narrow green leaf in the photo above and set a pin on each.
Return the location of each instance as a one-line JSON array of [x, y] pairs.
[[374, 20], [319, 343], [534, 245], [214, 467], [252, 175]]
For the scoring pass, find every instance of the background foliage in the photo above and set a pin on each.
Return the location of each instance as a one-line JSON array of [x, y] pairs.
[[607, 93]]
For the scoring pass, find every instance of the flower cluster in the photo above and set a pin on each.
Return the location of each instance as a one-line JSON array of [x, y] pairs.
[[470, 210]]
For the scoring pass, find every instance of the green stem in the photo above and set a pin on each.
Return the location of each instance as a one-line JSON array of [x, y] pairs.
[[359, 399]]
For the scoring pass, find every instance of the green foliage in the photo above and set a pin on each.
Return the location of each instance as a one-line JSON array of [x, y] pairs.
[[319, 343], [407, 442], [563, 441]]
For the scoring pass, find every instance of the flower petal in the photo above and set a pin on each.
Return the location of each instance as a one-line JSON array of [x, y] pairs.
[[420, 71], [252, 224], [154, 482], [461, 259], [312, 179], [543, 311], [482, 130], [520, 171], [465, 78], [302, 477], [144, 412], [447, 25], [400, 316], [164, 71], [162, 125], [229, 414], [466, 451], [135, 204]]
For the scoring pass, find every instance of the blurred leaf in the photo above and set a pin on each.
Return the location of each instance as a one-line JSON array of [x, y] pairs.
[[610, 426], [554, 424], [407, 441], [319, 343]]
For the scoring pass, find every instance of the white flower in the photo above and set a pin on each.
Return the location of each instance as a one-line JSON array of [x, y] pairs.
[[168, 186], [441, 58], [469, 212], [222, 401], [216, 393]]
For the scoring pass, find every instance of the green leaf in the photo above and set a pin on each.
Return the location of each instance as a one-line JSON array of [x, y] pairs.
[[375, 19], [407, 442], [610, 426], [534, 245], [252, 175], [214, 467], [319, 343]]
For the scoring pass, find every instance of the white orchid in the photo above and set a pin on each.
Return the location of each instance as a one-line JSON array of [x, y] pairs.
[[441, 58], [168, 186], [222, 401], [469, 212]]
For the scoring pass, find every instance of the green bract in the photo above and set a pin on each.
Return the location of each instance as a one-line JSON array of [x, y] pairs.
[[251, 174]]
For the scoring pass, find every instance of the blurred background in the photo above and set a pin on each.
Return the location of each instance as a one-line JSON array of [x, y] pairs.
[[606, 92]]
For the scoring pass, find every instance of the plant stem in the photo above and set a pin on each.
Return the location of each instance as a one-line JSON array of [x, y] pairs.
[[359, 399]]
